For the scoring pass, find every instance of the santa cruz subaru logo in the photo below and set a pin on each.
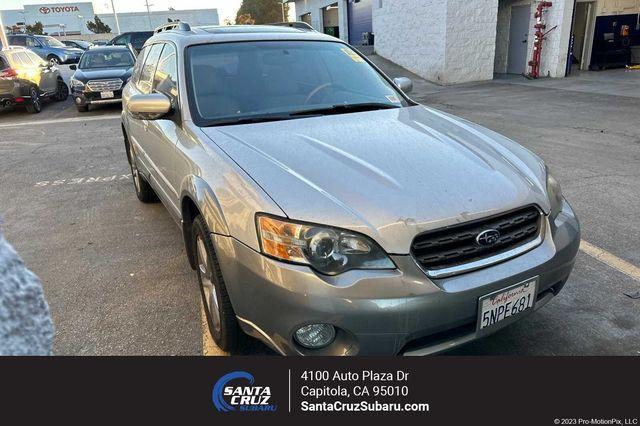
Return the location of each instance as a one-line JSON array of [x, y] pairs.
[[488, 237], [236, 391]]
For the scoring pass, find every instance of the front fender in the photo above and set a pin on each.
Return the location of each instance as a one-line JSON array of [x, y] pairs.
[[198, 191]]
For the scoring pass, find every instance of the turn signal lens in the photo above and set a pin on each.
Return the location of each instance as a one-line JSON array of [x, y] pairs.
[[328, 250]]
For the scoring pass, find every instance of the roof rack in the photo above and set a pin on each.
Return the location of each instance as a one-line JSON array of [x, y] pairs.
[[177, 25], [296, 24]]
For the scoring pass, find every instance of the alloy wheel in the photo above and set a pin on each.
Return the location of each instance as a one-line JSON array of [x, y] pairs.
[[208, 287], [134, 169]]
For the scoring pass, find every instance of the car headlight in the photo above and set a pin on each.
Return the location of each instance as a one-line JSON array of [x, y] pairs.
[[328, 250], [76, 84], [555, 194]]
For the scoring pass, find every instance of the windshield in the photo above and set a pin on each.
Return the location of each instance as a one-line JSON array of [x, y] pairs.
[[107, 59], [51, 42], [283, 79], [83, 43]]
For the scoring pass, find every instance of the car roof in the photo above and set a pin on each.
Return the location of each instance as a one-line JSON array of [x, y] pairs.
[[109, 47], [236, 33]]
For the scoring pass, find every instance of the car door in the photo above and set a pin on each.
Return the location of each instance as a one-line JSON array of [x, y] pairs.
[[164, 133], [48, 77], [35, 46], [148, 133], [159, 136]]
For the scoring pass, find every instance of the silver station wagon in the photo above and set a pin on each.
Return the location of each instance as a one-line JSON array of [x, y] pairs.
[[324, 211]]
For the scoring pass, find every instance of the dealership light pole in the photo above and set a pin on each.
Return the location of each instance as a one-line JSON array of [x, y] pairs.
[[146, 2], [3, 36], [80, 18], [115, 15]]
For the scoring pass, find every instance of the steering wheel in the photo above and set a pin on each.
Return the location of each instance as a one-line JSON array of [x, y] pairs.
[[317, 90]]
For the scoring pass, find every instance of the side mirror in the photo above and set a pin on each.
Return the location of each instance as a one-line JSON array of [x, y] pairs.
[[405, 84], [148, 107], [73, 67]]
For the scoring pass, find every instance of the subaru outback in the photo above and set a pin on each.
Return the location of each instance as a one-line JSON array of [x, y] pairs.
[[324, 211]]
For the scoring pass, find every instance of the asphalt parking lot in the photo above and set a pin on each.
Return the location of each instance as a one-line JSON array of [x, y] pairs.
[[116, 275]]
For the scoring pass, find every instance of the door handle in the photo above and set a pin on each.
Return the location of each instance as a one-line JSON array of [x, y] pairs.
[[524, 41]]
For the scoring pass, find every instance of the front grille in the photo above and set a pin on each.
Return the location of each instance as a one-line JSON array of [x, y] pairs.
[[110, 85], [456, 245]]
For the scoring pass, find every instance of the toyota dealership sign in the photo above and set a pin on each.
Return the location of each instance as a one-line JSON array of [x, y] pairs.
[[71, 15], [45, 10]]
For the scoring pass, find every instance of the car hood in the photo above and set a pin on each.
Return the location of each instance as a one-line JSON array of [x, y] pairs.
[[70, 50], [389, 174], [85, 75]]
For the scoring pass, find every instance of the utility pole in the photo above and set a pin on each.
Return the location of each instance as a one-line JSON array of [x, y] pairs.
[[3, 36], [146, 2], [115, 15], [284, 18]]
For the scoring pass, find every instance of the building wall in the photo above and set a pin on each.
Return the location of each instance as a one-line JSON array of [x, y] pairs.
[[315, 8], [411, 33], [617, 7], [139, 21], [470, 40]]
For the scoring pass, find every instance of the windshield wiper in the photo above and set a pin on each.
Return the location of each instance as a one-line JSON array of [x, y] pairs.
[[255, 119], [346, 108]]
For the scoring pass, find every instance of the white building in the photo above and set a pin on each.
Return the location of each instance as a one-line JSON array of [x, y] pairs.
[[72, 18], [454, 41]]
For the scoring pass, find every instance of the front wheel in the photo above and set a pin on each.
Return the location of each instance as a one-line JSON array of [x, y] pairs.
[[35, 105], [54, 61], [62, 93], [221, 318]]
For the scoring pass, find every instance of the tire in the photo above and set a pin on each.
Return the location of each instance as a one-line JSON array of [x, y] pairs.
[[36, 103], [144, 191], [53, 60], [82, 108], [62, 93], [221, 318]]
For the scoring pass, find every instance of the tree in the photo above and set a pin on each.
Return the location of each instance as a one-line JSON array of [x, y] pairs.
[[262, 11], [97, 26], [35, 29], [245, 19]]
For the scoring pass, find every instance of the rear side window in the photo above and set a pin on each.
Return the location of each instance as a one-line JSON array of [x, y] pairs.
[[17, 41], [138, 39], [149, 68], [23, 59], [37, 60], [165, 80], [3, 63], [123, 40], [32, 42]]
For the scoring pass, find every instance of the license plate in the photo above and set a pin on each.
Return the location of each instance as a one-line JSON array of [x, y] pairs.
[[106, 95], [504, 304]]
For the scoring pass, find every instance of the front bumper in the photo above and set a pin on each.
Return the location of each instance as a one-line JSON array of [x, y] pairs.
[[82, 98], [384, 312]]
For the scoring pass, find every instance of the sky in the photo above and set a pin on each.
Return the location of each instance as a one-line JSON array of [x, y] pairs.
[[226, 8]]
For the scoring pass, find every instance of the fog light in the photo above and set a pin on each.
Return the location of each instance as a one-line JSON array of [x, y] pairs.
[[78, 100], [315, 336]]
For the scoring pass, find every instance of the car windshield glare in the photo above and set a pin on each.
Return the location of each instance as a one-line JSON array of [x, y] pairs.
[[108, 59], [244, 81], [51, 42]]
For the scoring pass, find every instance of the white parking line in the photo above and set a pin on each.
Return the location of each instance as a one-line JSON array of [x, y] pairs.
[[62, 120], [612, 260]]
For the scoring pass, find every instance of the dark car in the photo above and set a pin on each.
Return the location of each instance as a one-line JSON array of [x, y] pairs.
[[78, 44], [136, 39], [26, 79], [100, 76], [47, 48]]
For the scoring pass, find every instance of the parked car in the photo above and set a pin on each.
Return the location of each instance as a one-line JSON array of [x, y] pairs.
[[26, 80], [79, 44], [100, 75], [136, 39], [327, 213], [47, 48]]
